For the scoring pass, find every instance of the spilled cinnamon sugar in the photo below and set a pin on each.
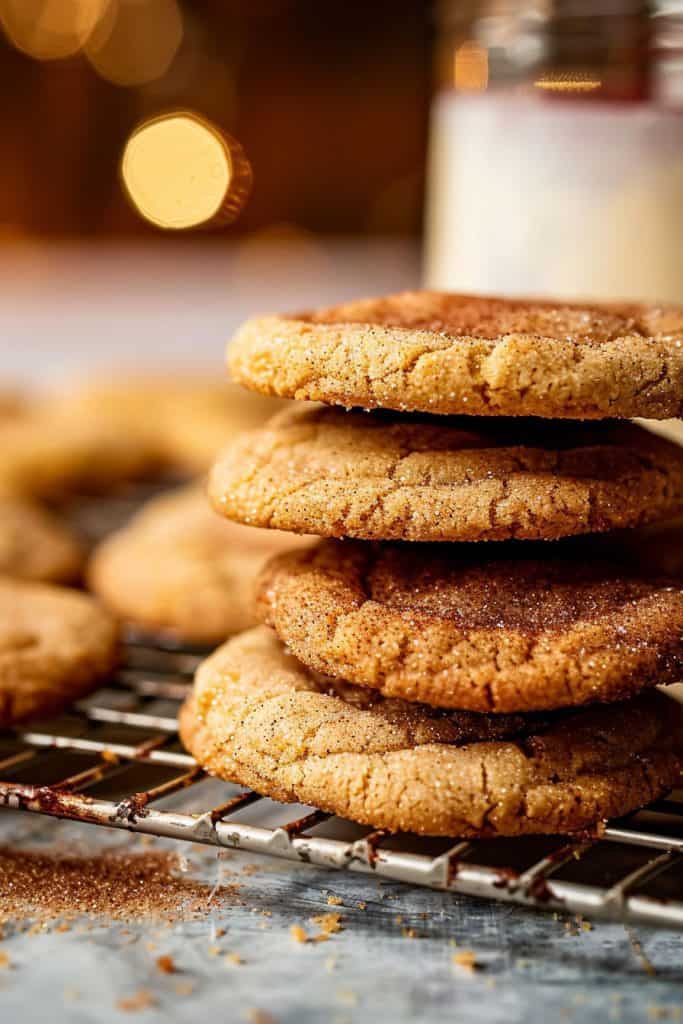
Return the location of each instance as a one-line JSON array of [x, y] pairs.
[[52, 887]]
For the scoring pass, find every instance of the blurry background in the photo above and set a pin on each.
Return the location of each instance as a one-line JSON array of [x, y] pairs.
[[535, 145], [329, 100]]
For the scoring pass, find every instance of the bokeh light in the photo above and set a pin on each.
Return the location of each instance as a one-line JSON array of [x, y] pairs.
[[180, 172], [471, 67], [51, 29], [136, 41]]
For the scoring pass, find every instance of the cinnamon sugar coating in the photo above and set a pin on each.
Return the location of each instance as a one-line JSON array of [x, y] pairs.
[[391, 476], [453, 354], [258, 717], [516, 627]]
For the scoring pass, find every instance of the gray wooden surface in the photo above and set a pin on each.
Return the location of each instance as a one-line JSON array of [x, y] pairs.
[[67, 310], [533, 969]]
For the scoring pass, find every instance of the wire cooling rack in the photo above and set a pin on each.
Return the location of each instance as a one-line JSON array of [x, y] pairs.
[[115, 760]]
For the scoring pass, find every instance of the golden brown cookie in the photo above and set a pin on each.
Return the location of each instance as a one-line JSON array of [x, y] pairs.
[[516, 628], [34, 545], [55, 645], [181, 420], [440, 353], [390, 476], [178, 568], [52, 456], [260, 718]]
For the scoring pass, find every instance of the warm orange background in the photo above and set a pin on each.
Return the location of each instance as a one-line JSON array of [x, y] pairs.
[[329, 99]]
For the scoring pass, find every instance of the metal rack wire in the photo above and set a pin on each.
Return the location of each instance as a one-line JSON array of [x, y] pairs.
[[115, 760]]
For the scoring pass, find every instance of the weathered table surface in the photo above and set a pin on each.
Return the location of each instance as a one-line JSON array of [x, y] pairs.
[[65, 310], [532, 968]]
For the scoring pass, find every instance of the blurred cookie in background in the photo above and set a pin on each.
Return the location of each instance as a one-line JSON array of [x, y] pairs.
[[182, 420], [35, 545], [50, 456], [180, 569], [55, 647]]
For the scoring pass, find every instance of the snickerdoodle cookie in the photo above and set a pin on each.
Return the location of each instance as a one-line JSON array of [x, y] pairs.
[[179, 568], [441, 353], [181, 420], [519, 627], [51, 456], [34, 545], [392, 476], [55, 645], [260, 718]]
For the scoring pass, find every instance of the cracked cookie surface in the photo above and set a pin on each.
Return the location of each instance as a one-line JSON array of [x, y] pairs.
[[258, 717], [518, 627], [179, 568], [461, 354], [34, 545], [55, 646], [392, 476]]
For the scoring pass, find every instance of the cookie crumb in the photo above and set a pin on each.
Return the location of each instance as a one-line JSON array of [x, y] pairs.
[[142, 1000], [259, 1017], [166, 965], [335, 901], [4, 959], [410, 933], [637, 948], [346, 997], [362, 905], [298, 933], [657, 1011], [467, 960], [184, 988], [330, 964], [213, 950], [233, 958], [329, 924]]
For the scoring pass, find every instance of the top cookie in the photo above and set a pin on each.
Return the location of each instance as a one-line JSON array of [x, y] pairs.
[[458, 354]]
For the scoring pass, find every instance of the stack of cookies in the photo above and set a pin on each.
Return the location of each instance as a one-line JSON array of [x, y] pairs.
[[409, 675]]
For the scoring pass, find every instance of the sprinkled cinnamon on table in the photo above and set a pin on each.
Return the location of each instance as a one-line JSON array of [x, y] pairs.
[[47, 888]]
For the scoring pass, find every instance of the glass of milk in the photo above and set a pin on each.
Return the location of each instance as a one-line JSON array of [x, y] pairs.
[[556, 155]]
